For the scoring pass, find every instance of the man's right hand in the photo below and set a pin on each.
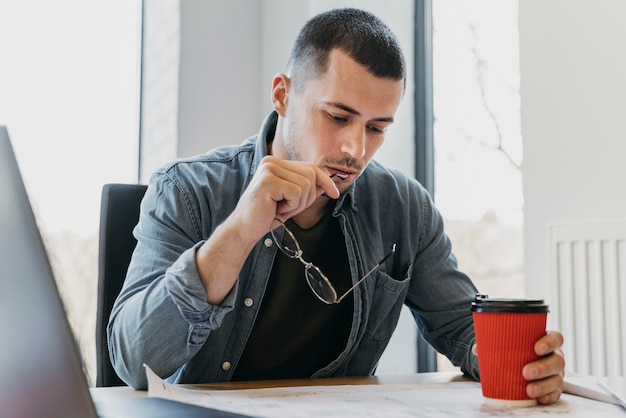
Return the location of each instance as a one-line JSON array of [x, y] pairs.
[[279, 189]]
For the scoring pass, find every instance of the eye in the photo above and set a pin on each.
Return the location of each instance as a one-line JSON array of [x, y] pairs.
[[376, 130], [336, 118]]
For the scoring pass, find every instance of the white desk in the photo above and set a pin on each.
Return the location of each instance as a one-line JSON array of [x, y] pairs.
[[427, 394], [115, 393], [125, 392]]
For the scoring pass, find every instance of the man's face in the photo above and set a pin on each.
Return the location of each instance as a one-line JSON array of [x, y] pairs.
[[339, 121]]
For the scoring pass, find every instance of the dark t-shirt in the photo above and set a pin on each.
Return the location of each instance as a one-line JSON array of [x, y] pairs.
[[295, 334]]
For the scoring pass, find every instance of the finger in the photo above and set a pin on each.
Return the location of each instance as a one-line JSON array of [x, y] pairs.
[[552, 364], [548, 343], [325, 185], [292, 198], [311, 183], [304, 174], [546, 390], [282, 188], [550, 398], [272, 191], [290, 186]]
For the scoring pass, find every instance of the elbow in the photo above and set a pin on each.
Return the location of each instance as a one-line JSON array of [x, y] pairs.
[[131, 374], [126, 363]]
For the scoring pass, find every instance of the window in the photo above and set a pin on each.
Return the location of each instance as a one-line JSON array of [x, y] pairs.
[[477, 139], [69, 95]]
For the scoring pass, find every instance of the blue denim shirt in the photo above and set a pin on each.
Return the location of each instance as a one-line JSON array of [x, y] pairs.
[[162, 317]]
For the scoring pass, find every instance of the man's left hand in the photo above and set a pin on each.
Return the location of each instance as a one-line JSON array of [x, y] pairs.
[[546, 375]]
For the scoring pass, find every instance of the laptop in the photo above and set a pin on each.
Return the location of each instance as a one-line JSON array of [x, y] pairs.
[[41, 371]]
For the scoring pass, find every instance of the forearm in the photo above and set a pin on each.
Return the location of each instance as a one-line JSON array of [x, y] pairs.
[[221, 258], [148, 329], [162, 322]]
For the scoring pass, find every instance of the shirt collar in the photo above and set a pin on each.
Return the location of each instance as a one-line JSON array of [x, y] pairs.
[[263, 139]]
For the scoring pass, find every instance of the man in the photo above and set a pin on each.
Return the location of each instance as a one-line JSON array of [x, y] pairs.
[[292, 254]]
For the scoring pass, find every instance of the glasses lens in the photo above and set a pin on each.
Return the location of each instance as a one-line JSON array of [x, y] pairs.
[[320, 285], [285, 240]]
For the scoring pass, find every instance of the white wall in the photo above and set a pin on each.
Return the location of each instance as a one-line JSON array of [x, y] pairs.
[[219, 79], [573, 90], [229, 52]]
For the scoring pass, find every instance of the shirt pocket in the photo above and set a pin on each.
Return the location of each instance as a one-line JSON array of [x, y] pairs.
[[386, 304]]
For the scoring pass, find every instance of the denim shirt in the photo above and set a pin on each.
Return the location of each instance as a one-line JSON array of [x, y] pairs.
[[162, 317]]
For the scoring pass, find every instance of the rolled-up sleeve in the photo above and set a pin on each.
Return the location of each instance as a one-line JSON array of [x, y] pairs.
[[162, 317], [185, 287]]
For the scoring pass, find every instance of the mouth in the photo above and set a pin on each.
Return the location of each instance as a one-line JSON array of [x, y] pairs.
[[339, 175]]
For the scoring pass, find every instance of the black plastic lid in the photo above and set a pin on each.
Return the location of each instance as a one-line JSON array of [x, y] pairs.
[[482, 303]]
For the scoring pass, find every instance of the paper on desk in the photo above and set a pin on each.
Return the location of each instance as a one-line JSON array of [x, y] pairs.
[[452, 399], [587, 387]]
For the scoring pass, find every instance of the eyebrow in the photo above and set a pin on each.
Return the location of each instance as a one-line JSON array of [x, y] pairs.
[[356, 112]]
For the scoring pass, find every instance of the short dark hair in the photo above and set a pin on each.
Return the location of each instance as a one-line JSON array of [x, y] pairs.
[[359, 34]]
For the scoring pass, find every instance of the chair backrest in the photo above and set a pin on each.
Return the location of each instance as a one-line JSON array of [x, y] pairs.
[[119, 213]]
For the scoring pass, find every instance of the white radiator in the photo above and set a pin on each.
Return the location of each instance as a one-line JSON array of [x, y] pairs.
[[589, 295]]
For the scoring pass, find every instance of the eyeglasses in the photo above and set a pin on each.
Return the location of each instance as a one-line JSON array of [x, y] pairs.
[[318, 282]]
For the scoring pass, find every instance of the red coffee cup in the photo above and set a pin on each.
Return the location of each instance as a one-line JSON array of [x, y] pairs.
[[506, 332]]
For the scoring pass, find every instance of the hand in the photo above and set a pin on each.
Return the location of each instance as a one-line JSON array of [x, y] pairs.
[[546, 374], [281, 189]]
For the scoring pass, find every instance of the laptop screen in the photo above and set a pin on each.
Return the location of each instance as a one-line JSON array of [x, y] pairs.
[[41, 373]]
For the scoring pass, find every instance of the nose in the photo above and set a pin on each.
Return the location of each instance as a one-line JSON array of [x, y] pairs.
[[353, 144]]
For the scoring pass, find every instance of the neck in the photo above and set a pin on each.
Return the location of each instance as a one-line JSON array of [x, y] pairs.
[[312, 215]]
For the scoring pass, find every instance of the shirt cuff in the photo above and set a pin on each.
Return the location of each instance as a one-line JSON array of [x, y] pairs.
[[185, 287]]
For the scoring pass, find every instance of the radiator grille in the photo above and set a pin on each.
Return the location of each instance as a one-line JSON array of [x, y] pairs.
[[589, 295]]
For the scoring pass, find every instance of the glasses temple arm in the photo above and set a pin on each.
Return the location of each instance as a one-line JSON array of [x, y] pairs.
[[389, 254]]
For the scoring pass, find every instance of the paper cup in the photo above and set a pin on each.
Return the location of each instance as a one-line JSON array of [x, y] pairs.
[[506, 332]]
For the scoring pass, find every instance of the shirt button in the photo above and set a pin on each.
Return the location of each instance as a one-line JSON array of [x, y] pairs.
[[226, 366], [248, 302], [268, 242]]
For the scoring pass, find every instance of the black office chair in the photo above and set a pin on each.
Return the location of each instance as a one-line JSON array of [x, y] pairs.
[[119, 213]]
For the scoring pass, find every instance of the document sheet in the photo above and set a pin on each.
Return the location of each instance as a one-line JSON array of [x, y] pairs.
[[451, 399]]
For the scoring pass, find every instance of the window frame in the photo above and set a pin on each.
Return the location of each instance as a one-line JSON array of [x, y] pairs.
[[424, 124]]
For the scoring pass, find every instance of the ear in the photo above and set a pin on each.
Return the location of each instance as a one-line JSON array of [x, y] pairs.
[[280, 90]]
